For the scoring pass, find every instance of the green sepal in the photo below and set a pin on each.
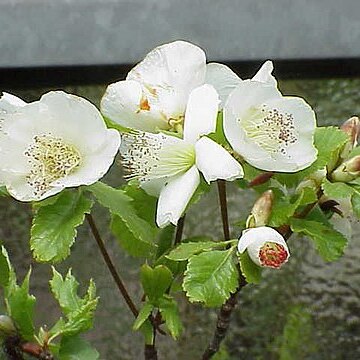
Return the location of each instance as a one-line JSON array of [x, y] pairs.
[[53, 230], [211, 277], [249, 269]]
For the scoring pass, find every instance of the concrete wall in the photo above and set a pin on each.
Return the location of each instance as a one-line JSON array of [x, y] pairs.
[[85, 32]]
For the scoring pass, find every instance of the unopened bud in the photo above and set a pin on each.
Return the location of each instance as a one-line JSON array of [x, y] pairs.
[[265, 246], [261, 210], [348, 170], [7, 326], [352, 128]]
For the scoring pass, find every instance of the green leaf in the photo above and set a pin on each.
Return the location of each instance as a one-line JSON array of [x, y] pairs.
[[144, 204], [79, 311], [155, 281], [134, 234], [5, 268], [185, 250], [54, 226], [309, 196], [336, 190], [165, 240], [170, 313], [328, 141], [329, 243], [148, 332], [144, 314], [139, 244], [65, 291], [284, 208], [219, 135], [21, 308], [210, 277], [76, 348], [249, 269], [354, 152], [355, 202], [3, 191]]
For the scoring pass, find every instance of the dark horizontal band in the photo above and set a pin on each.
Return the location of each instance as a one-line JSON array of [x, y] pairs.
[[37, 77]]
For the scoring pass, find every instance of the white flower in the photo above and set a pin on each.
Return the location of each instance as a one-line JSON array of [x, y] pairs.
[[270, 131], [265, 246], [155, 92], [57, 142], [169, 166]]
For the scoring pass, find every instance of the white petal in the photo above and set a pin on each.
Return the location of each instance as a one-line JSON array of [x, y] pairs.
[[201, 113], [87, 173], [177, 65], [289, 148], [264, 74], [223, 79], [9, 103], [215, 162], [175, 196], [121, 103], [254, 238]]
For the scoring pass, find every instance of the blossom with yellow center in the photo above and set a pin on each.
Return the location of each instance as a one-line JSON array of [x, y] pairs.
[[57, 142]]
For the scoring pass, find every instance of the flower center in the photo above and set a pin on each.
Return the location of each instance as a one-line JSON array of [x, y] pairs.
[[271, 129], [273, 255], [50, 159], [153, 156]]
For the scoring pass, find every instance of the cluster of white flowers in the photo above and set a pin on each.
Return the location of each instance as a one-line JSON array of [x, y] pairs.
[[170, 103]]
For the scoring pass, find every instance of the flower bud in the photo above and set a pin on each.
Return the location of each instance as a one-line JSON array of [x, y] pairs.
[[7, 326], [348, 170], [261, 210], [352, 128], [265, 246]]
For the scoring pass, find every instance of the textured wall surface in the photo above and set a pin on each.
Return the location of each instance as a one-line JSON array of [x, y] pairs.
[[83, 32]]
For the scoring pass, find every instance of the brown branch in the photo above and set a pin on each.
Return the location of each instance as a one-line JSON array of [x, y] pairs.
[[179, 230], [120, 284], [223, 207], [150, 352]]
